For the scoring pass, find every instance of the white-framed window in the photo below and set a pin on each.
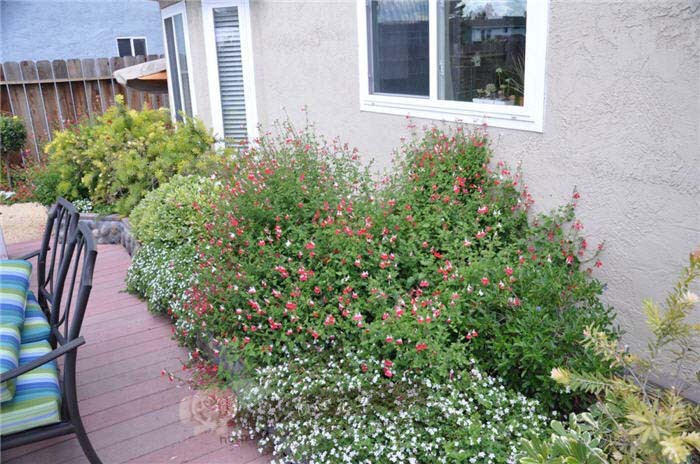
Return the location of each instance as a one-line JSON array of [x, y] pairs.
[[177, 56], [229, 52], [131, 46], [475, 61]]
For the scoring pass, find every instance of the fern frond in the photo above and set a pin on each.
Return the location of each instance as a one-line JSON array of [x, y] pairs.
[[675, 450], [692, 439], [653, 315], [596, 383]]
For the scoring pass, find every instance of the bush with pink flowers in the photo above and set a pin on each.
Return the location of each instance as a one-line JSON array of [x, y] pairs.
[[305, 256]]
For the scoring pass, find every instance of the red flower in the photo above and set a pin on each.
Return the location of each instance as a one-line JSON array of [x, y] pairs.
[[388, 363], [483, 210], [484, 281], [421, 346], [330, 320], [363, 367], [388, 373], [508, 270], [291, 305]]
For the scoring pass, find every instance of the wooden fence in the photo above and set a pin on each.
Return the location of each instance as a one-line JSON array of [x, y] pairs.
[[52, 95]]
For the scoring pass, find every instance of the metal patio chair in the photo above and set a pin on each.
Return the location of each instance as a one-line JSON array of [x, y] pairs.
[[66, 302], [62, 220]]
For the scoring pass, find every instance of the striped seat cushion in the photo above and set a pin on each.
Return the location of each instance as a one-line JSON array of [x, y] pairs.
[[37, 398], [14, 282], [36, 327], [9, 358]]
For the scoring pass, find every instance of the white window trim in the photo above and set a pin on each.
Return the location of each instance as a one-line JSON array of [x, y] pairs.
[[169, 12], [529, 117], [131, 42], [251, 110]]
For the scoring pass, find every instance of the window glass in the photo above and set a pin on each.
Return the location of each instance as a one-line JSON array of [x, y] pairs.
[[124, 47], [399, 47], [172, 66], [182, 61], [481, 47], [140, 47]]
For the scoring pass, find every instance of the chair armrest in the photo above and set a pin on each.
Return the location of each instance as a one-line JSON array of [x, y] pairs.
[[29, 256], [57, 353]]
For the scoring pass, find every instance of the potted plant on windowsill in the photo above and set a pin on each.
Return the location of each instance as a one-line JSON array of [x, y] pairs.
[[492, 95], [509, 90]]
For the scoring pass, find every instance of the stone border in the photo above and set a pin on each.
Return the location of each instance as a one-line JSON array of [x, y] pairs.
[[111, 229]]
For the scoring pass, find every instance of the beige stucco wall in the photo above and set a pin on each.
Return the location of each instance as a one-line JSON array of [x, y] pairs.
[[622, 122]]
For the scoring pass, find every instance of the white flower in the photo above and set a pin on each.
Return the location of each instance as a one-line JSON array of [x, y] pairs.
[[690, 298]]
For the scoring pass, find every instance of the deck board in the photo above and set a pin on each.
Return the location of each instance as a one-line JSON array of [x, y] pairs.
[[131, 411]]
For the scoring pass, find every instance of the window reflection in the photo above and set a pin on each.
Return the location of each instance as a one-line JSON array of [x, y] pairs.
[[482, 51], [399, 38]]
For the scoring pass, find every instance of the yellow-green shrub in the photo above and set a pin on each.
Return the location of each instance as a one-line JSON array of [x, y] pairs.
[[126, 153]]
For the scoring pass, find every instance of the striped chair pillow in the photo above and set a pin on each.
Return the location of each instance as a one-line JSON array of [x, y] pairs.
[[37, 400], [14, 283], [9, 358], [36, 327]]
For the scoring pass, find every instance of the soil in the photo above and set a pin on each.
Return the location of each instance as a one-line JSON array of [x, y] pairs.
[[22, 222]]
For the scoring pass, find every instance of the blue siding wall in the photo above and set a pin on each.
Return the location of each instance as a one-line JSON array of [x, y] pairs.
[[63, 29]]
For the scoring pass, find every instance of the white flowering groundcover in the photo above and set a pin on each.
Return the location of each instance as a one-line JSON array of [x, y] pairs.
[[339, 414]]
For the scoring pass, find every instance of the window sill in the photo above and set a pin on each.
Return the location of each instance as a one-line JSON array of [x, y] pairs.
[[502, 116]]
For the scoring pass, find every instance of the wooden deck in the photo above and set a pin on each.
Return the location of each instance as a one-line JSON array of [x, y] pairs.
[[130, 411]]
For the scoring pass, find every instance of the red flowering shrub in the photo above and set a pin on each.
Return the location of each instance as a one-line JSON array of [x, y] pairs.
[[435, 265], [22, 174]]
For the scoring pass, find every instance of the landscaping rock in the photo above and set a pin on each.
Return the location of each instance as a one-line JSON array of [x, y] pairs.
[[111, 229]]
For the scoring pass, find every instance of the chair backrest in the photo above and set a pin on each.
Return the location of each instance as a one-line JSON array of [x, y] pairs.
[[67, 307], [62, 220]]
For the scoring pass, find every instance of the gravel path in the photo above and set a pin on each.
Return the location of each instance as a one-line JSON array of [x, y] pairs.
[[22, 221]]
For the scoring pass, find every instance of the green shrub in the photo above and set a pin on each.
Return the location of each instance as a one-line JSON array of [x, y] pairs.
[[633, 420], [13, 135], [46, 180], [125, 154], [175, 212], [161, 274], [436, 266]]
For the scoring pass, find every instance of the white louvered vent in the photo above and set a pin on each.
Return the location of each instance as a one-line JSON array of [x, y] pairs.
[[228, 55]]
